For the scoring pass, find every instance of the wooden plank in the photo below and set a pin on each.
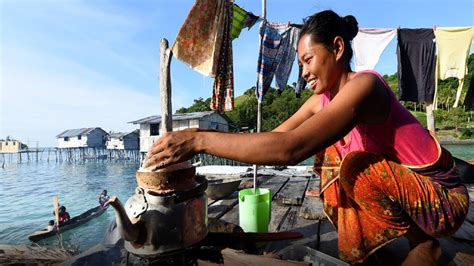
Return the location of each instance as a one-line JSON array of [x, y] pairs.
[[327, 242], [284, 218], [313, 184], [234, 257], [312, 207], [304, 253], [293, 192], [463, 259], [218, 208], [292, 222], [232, 216], [278, 215], [290, 219], [275, 184]]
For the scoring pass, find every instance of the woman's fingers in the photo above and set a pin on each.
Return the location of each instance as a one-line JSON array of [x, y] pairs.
[[169, 149]]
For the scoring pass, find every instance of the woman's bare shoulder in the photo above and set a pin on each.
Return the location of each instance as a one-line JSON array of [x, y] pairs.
[[373, 100]]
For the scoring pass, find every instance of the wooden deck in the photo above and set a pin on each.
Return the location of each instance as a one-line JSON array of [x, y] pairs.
[[293, 211]]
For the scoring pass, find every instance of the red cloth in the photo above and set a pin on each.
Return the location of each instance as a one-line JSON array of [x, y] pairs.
[[63, 217]]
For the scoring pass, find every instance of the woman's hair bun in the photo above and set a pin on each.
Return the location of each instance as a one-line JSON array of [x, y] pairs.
[[352, 26]]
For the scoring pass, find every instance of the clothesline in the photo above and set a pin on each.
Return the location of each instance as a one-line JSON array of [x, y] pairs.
[[278, 50]]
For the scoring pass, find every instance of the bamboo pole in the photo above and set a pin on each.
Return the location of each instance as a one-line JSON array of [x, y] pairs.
[[165, 87], [259, 104]]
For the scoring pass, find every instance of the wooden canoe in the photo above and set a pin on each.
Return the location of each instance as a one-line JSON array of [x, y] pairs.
[[74, 222]]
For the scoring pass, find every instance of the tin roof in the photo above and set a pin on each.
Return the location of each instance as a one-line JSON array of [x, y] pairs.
[[155, 119], [77, 132], [118, 135]]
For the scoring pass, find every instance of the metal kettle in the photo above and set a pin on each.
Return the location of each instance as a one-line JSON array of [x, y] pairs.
[[168, 211]]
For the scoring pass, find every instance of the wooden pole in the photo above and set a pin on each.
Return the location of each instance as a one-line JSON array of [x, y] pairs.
[[259, 103], [165, 87]]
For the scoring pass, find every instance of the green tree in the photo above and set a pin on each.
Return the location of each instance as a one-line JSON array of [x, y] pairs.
[[245, 110], [199, 105]]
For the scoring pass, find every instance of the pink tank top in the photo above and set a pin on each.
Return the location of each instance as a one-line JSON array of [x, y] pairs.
[[400, 138]]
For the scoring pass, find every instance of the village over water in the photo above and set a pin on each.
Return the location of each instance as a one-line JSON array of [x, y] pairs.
[[95, 143]]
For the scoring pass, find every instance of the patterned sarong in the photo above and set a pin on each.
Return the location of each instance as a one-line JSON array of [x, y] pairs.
[[372, 201]]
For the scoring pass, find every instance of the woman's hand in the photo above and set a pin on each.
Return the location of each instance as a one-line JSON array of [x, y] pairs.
[[172, 148]]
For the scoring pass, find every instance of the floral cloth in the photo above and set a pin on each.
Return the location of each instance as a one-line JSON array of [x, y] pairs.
[[372, 201], [199, 40], [204, 43]]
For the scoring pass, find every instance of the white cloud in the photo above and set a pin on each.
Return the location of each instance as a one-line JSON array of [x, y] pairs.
[[70, 64]]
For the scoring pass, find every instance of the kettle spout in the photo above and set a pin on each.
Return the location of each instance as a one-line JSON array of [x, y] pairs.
[[128, 230]]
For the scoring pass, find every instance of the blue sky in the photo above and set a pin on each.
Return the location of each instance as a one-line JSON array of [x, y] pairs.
[[70, 64]]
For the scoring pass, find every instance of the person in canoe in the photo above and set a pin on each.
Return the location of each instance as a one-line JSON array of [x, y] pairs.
[[63, 215], [383, 175], [50, 226], [103, 199]]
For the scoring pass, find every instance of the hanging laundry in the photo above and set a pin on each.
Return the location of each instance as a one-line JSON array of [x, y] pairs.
[[368, 45], [241, 19], [416, 51], [223, 89], [199, 40], [251, 20], [287, 58], [453, 46], [301, 84], [276, 57]]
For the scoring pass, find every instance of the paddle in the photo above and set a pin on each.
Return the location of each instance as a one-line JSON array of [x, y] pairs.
[[56, 216], [56, 210]]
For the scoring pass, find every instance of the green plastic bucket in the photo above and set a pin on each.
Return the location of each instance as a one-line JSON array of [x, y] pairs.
[[255, 209]]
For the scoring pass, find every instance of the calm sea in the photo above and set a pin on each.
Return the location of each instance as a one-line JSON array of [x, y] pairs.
[[27, 190]]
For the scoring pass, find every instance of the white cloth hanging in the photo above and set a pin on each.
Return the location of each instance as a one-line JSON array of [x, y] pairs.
[[369, 44]]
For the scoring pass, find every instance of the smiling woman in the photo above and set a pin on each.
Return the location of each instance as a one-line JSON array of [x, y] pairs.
[[375, 180]]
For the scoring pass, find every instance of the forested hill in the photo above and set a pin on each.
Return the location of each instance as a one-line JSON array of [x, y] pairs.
[[277, 107]]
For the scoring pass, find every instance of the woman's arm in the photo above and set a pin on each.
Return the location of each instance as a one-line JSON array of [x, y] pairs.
[[273, 148]]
